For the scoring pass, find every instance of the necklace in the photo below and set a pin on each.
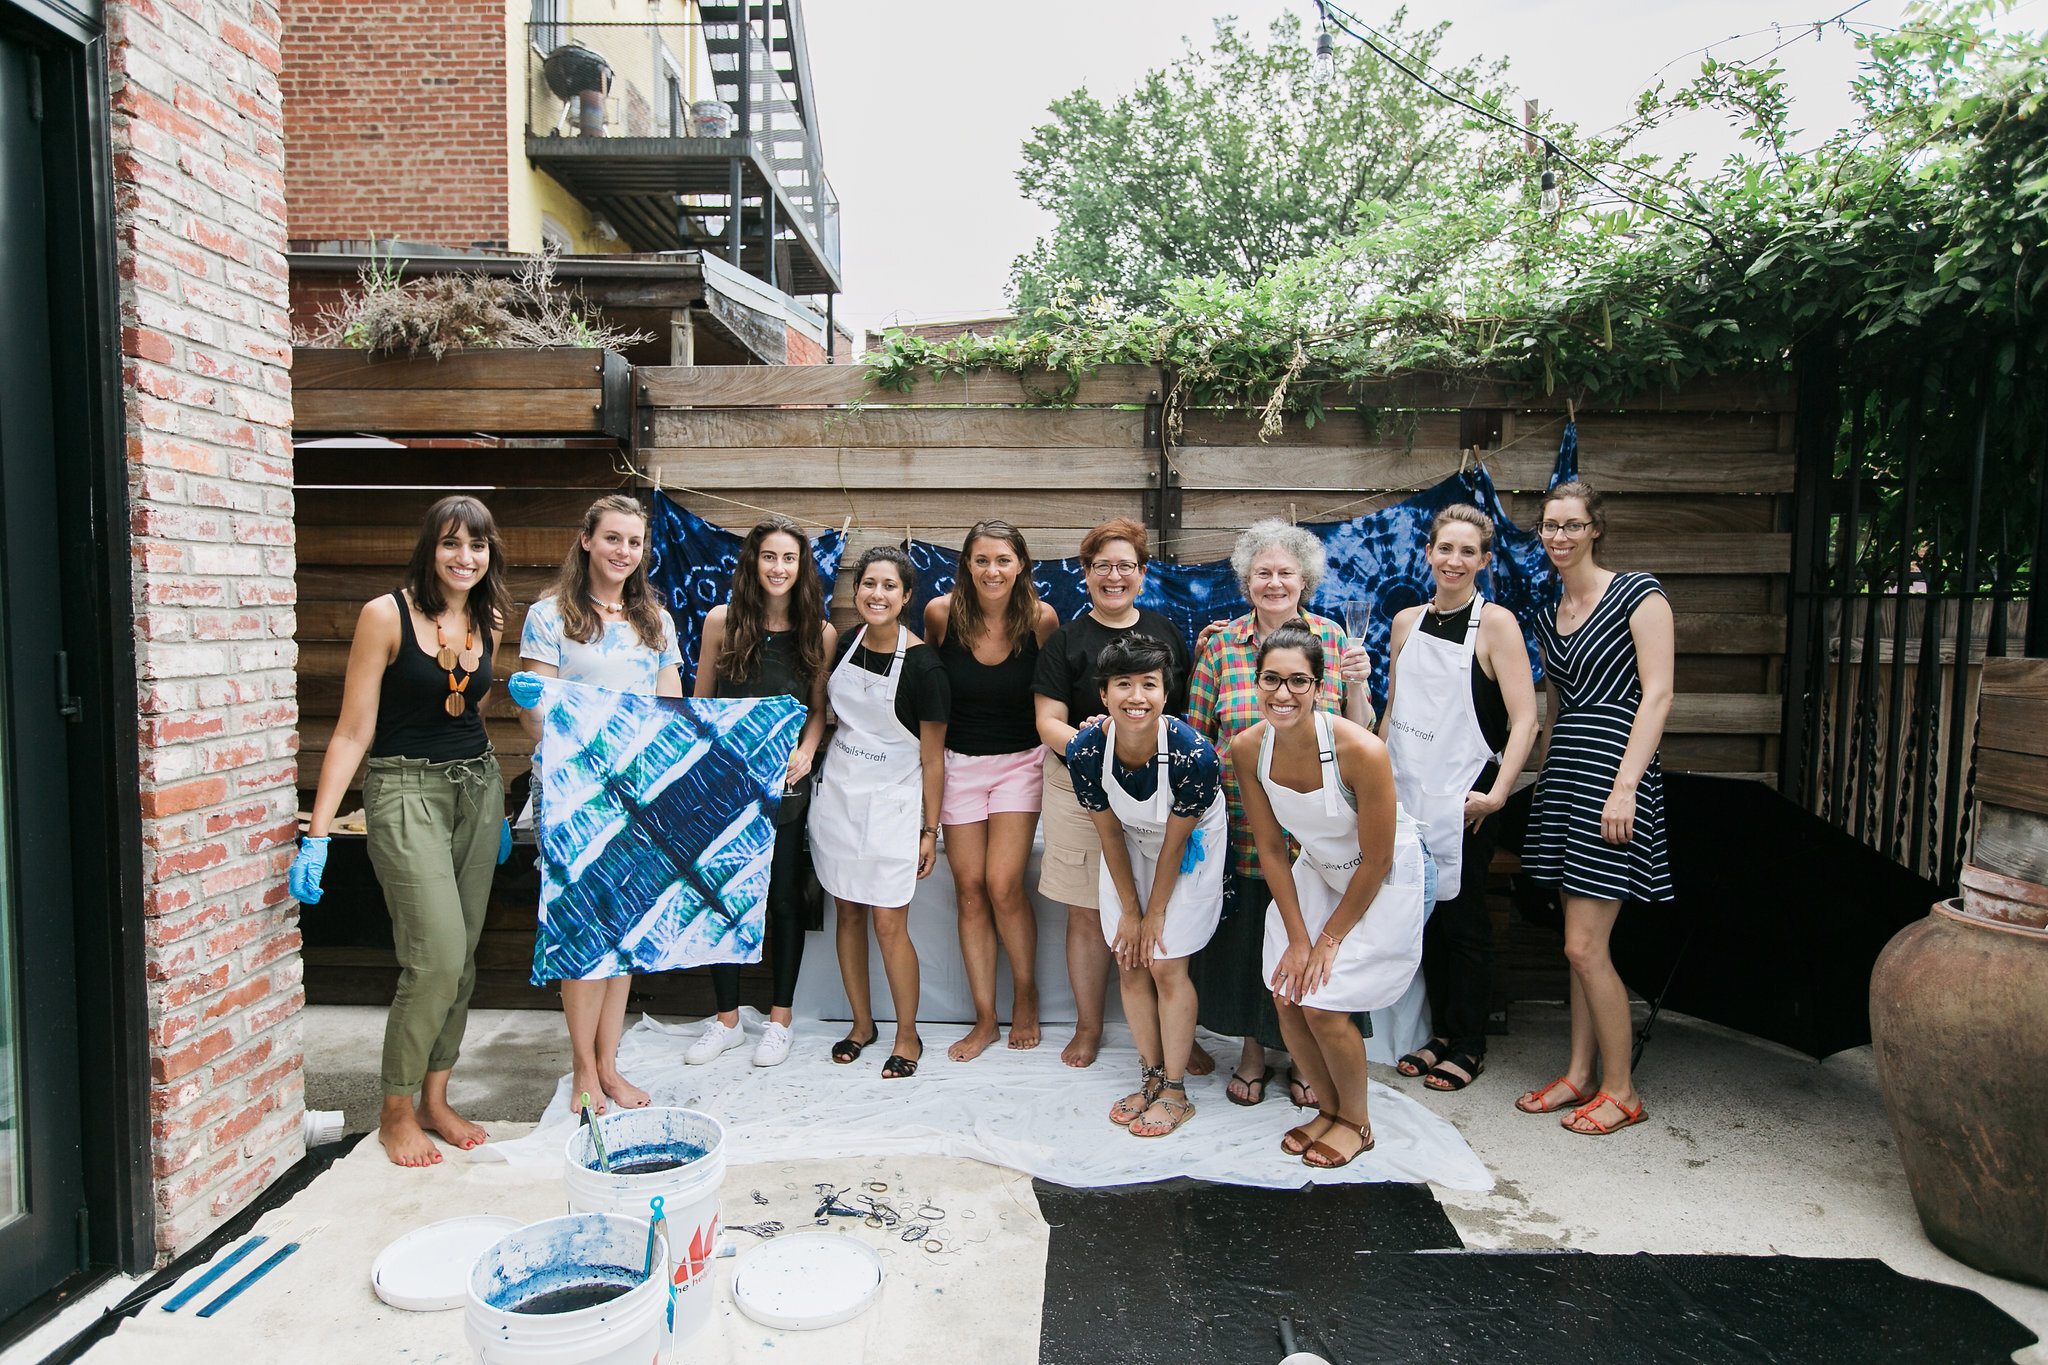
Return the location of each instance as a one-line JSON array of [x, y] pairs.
[[448, 658], [1441, 612], [608, 606]]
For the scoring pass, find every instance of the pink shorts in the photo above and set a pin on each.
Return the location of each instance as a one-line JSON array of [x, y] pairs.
[[981, 785]]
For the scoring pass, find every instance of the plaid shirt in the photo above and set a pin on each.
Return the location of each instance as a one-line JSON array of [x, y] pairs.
[[1223, 702]]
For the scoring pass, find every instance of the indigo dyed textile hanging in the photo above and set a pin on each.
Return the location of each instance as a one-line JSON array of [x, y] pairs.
[[691, 563], [656, 819]]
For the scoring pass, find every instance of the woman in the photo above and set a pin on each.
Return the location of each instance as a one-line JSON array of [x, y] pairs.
[[418, 670], [988, 631], [1066, 698], [1344, 929], [874, 820], [1150, 785], [1461, 716], [1596, 824], [771, 639], [600, 626], [1278, 566]]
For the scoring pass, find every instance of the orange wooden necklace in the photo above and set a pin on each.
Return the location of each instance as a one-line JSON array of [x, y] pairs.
[[448, 658]]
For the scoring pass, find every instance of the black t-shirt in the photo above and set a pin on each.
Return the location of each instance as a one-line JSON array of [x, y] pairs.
[[1488, 707], [1066, 666], [922, 693]]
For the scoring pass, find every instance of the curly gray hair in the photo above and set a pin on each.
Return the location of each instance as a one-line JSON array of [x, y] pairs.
[[1273, 533]]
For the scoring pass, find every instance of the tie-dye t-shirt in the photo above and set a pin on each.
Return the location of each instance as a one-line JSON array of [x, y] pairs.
[[616, 660]]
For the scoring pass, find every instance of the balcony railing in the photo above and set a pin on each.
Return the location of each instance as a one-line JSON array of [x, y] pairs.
[[639, 81]]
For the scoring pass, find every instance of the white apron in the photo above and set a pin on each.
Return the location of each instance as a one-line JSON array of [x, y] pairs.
[[1435, 741], [1379, 957], [1197, 900], [868, 805]]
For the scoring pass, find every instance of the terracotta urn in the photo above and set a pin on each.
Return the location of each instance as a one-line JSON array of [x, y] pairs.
[[1959, 1017]]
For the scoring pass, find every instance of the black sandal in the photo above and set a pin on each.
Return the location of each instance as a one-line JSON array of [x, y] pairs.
[[1299, 1091], [899, 1068], [1254, 1085], [848, 1050], [1424, 1059], [1436, 1078]]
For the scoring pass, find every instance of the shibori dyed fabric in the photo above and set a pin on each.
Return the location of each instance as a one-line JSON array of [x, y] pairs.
[[1383, 558], [691, 564], [656, 820]]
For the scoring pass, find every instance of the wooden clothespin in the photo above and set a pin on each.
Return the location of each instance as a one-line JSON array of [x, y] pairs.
[[1571, 411], [845, 526], [1292, 520]]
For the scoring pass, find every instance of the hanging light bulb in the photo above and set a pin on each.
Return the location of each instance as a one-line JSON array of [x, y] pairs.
[[1551, 200], [1326, 58]]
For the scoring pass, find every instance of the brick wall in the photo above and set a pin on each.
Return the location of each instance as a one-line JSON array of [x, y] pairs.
[[200, 227], [395, 113]]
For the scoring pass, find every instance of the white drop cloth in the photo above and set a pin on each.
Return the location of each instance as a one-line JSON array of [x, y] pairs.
[[1024, 1110]]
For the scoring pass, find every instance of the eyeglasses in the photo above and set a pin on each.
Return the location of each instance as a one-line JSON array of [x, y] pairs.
[[1564, 528], [1299, 683], [1114, 568]]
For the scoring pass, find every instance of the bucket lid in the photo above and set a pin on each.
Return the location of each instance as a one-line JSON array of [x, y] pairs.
[[808, 1280], [427, 1270]]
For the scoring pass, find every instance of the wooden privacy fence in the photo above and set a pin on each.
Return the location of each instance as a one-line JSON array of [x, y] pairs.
[[1697, 482]]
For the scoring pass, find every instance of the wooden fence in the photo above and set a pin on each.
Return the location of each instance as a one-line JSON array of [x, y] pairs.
[[1698, 483]]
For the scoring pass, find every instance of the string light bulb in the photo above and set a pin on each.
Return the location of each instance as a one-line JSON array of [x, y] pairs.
[[1326, 57], [1551, 200]]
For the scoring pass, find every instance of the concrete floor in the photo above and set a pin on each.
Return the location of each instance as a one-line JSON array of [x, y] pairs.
[[1750, 1148]]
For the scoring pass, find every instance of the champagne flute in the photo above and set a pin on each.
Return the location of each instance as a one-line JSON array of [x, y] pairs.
[[1357, 616]]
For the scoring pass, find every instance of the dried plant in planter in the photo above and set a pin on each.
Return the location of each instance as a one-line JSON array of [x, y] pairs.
[[442, 313]]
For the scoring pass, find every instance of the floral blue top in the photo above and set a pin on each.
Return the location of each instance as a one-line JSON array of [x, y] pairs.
[[615, 660], [1192, 769]]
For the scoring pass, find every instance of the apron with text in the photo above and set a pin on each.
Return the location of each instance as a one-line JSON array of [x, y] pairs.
[[1434, 740], [1378, 959], [868, 805], [1197, 900]]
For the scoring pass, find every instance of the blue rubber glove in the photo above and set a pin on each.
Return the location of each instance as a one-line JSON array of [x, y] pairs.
[[524, 688], [504, 843], [307, 865], [1192, 852]]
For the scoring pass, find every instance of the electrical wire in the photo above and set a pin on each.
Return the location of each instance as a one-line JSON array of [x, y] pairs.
[[1328, 9]]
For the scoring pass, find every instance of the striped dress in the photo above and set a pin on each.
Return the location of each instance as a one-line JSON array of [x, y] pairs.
[[1598, 693]]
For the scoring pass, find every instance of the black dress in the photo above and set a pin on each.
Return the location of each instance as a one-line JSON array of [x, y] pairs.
[[1599, 692]]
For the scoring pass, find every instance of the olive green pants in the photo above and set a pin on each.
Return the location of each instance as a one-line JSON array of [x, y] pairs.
[[434, 830]]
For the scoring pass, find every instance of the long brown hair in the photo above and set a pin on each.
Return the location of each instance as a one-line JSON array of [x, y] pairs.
[[572, 583], [488, 599], [746, 612], [1020, 617], [1596, 510]]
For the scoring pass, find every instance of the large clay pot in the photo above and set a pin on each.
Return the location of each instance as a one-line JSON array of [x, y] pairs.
[[1959, 1016]]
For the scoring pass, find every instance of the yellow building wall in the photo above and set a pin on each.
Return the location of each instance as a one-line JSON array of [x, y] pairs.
[[532, 193]]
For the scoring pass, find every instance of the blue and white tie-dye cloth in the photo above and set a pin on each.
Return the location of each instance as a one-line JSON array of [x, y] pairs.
[[656, 820]]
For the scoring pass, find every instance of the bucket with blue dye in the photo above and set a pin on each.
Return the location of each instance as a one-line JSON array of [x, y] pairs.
[[677, 1155], [571, 1291]]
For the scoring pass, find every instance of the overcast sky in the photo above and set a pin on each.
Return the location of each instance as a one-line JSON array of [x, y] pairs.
[[924, 104]]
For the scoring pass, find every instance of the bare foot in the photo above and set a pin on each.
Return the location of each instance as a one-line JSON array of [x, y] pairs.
[[585, 1085], [628, 1095], [452, 1127], [1024, 1021], [975, 1043], [1200, 1063], [1081, 1049], [405, 1142]]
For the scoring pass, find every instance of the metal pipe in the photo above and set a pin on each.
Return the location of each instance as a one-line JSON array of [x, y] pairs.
[[1952, 816], [768, 227], [1847, 530], [831, 332], [733, 244], [1817, 421], [744, 119], [1926, 706], [1894, 757]]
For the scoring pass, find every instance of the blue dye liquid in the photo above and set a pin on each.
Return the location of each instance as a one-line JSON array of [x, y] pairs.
[[663, 1156], [570, 1298], [565, 1290]]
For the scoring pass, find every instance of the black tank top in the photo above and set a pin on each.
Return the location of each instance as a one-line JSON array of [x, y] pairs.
[[412, 703], [993, 711], [775, 675], [1488, 707]]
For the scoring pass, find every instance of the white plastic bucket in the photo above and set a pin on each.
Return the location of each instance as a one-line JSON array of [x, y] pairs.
[[689, 1192], [564, 1254]]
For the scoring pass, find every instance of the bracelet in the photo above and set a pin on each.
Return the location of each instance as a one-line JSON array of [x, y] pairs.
[[1335, 942], [923, 830]]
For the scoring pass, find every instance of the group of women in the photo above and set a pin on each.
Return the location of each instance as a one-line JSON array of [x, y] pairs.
[[1229, 830]]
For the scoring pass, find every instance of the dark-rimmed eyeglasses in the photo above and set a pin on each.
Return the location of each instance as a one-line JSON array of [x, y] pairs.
[[1297, 683]]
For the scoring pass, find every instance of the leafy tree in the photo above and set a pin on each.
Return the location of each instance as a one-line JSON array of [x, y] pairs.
[[1233, 162]]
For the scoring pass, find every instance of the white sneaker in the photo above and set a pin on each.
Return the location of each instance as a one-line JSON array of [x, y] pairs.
[[717, 1038], [774, 1046]]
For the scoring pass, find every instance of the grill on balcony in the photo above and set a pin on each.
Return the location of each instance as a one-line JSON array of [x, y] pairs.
[[609, 116]]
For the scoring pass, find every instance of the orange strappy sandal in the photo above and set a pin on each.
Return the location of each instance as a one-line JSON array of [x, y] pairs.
[[1532, 1103], [1599, 1129]]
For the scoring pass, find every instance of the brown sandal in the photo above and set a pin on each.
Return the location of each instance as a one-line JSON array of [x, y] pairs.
[[1295, 1141], [1324, 1157]]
